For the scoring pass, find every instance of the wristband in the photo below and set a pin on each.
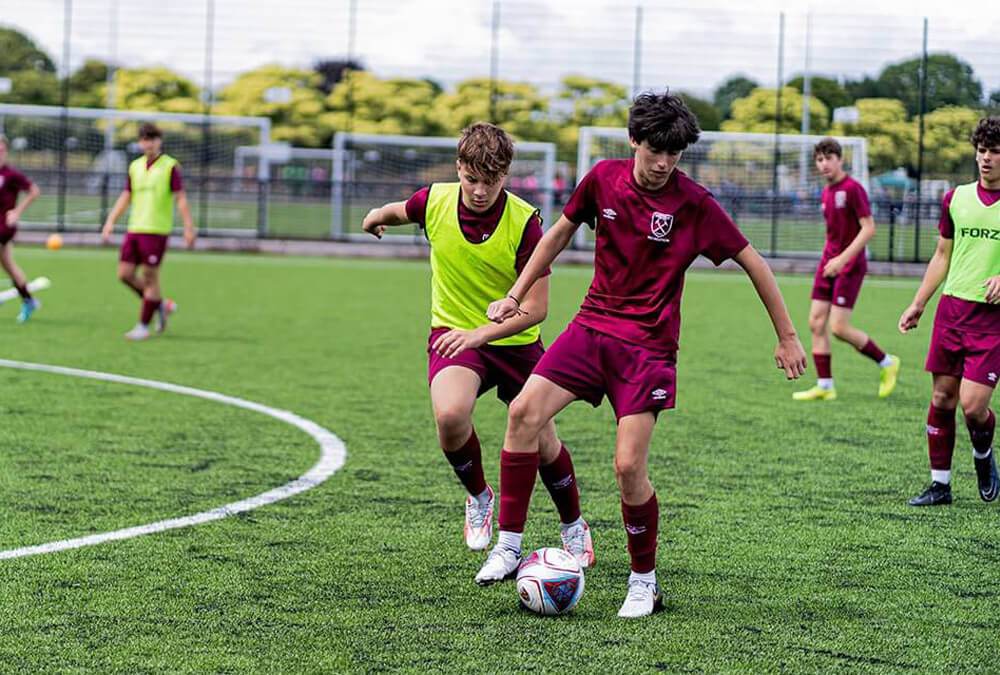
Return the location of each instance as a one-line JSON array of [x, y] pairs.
[[515, 300]]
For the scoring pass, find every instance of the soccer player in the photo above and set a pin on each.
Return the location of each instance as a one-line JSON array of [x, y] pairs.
[[12, 183], [153, 185], [842, 268], [964, 354], [651, 222], [481, 236]]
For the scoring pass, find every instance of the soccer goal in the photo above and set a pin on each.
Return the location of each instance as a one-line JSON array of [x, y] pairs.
[[742, 170], [372, 169], [79, 157]]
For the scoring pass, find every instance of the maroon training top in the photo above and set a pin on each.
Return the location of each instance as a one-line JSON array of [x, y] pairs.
[[12, 182], [978, 317], [478, 227], [844, 203], [645, 242]]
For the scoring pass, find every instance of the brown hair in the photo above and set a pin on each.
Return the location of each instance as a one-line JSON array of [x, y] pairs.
[[987, 132], [828, 146], [486, 150], [149, 130]]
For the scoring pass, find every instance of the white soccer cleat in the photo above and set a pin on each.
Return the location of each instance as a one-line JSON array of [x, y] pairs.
[[166, 308], [577, 542], [479, 522], [140, 332], [642, 600], [501, 564]]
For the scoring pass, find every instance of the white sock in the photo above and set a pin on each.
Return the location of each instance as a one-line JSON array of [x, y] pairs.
[[825, 383], [578, 521], [646, 577], [510, 540], [886, 362], [941, 476], [483, 497], [976, 455]]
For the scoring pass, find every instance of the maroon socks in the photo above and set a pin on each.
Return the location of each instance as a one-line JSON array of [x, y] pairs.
[[467, 462], [560, 481], [940, 438], [149, 308], [641, 523], [517, 480]]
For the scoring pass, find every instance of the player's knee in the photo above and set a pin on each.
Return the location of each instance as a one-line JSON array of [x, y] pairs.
[[840, 329], [817, 324], [523, 418], [944, 399], [975, 408], [451, 422], [124, 275], [628, 470]]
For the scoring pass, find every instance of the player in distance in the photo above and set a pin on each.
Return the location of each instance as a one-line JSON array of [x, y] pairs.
[[964, 354], [651, 222], [152, 187], [841, 271], [481, 236], [12, 183]]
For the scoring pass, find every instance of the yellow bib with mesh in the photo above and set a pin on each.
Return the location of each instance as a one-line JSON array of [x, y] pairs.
[[152, 201]]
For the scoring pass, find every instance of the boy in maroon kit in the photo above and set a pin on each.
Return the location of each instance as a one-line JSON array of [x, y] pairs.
[[651, 222], [841, 270], [12, 183]]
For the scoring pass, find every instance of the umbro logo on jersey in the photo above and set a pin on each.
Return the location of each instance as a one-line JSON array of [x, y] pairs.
[[659, 394], [609, 214], [660, 225]]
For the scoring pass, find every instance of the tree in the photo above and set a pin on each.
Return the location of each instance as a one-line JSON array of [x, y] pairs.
[[19, 53], [332, 71], [520, 109], [950, 82], [365, 103], [826, 89], [892, 140], [737, 86], [708, 116], [585, 101], [755, 113], [947, 132], [260, 93], [88, 85], [156, 89], [35, 87]]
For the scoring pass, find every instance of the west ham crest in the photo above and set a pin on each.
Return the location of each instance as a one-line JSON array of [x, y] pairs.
[[661, 224]]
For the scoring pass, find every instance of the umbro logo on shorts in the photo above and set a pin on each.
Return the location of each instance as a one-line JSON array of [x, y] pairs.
[[992, 377], [659, 394], [609, 214]]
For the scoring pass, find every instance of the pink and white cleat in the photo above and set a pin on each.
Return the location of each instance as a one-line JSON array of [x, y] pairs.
[[577, 542], [479, 522]]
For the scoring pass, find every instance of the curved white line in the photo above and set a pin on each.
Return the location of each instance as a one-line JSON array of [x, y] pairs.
[[332, 455]]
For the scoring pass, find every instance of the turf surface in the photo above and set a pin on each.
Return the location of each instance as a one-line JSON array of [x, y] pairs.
[[785, 541]]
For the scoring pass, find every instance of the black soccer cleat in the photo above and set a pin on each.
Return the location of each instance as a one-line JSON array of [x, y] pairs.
[[987, 477], [937, 494]]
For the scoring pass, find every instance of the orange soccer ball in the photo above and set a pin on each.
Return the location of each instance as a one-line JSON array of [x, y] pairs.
[[54, 242]]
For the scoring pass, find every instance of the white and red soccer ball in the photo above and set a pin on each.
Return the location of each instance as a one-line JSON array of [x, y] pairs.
[[550, 582]]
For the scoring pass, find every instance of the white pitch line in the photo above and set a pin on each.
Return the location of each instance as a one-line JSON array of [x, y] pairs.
[[332, 455]]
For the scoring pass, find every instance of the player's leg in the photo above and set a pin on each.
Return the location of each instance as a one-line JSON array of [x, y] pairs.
[[640, 513], [840, 326], [150, 303], [556, 470], [453, 397], [940, 438], [539, 401], [980, 421], [128, 262], [28, 303], [819, 315]]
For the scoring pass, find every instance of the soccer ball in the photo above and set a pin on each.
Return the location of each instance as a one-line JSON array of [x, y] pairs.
[[550, 582], [54, 242]]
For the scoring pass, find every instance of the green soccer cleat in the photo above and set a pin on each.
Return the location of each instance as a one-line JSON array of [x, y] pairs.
[[816, 393], [887, 377]]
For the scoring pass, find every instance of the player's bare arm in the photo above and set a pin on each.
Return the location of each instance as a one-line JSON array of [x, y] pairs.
[[789, 354], [835, 264], [14, 215], [534, 309], [389, 215], [184, 208], [937, 270], [549, 246], [116, 212]]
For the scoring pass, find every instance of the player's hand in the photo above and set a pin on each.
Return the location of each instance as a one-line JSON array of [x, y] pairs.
[[910, 318], [106, 233], [454, 342], [372, 224], [501, 310], [992, 286], [790, 357], [189, 237], [833, 266], [12, 217]]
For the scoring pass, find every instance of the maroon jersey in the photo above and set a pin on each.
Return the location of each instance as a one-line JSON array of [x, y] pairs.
[[844, 204], [952, 312], [478, 227], [12, 182], [645, 242]]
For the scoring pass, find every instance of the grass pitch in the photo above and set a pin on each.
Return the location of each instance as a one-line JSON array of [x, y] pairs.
[[785, 541]]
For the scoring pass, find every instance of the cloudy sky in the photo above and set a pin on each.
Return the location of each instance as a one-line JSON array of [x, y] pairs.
[[539, 40]]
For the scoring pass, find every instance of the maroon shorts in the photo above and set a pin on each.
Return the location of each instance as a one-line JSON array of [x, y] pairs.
[[140, 248], [592, 365], [7, 234], [964, 354], [506, 368], [841, 290]]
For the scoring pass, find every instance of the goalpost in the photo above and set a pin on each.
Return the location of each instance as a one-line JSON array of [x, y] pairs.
[[768, 183], [80, 156], [372, 169]]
